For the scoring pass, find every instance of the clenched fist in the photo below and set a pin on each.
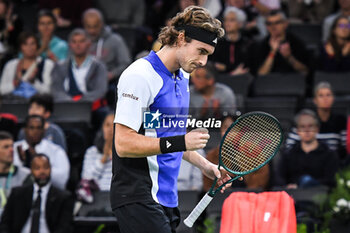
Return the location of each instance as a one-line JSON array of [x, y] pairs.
[[197, 139]]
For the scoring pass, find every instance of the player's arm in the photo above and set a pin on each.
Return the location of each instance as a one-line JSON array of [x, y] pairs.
[[130, 144]]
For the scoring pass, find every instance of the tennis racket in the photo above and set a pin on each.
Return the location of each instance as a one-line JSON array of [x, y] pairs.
[[248, 144]]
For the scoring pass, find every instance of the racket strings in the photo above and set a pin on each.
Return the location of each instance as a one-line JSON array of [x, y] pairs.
[[250, 143]]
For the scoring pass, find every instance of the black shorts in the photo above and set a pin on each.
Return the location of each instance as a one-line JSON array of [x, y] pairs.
[[147, 218]]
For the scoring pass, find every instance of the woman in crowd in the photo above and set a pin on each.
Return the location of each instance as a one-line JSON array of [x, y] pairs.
[[29, 74], [97, 163], [50, 45], [335, 54]]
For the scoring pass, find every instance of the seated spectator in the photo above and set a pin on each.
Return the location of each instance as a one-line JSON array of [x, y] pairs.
[[97, 163], [38, 206], [280, 51], [123, 13], [34, 143], [231, 51], [27, 75], [10, 175], [80, 77], [328, 22], [208, 98], [42, 105], [108, 47], [309, 162], [313, 11], [332, 129], [51, 46], [335, 53]]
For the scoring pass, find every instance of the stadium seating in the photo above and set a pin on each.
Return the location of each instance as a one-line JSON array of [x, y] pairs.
[[280, 84], [338, 81]]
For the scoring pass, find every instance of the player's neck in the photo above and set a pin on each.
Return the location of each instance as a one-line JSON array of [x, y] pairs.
[[168, 56]]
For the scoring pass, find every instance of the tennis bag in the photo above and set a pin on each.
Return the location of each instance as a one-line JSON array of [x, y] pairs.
[[267, 212]]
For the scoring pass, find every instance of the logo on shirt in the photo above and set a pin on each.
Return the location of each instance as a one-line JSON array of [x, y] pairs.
[[131, 96], [151, 120]]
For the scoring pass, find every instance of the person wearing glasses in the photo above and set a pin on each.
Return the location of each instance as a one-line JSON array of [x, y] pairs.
[[279, 51], [335, 53]]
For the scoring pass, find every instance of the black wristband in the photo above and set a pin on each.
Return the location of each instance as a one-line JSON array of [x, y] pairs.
[[172, 144]]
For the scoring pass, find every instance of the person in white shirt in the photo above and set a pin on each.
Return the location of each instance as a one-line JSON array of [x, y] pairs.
[[39, 207], [34, 143]]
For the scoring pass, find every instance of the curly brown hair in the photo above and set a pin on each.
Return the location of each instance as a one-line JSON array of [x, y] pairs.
[[194, 16]]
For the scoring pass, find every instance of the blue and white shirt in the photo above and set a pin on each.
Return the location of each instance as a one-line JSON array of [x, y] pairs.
[[145, 87]]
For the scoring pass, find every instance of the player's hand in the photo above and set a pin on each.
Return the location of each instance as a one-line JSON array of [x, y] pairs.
[[212, 172], [197, 139]]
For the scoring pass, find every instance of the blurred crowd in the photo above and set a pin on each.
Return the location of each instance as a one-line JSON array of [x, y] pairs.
[[73, 51]]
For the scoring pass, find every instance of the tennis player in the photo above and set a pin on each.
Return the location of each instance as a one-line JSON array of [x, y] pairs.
[[146, 161]]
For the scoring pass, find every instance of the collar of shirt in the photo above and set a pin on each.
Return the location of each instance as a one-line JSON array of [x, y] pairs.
[[87, 62], [25, 144], [155, 61]]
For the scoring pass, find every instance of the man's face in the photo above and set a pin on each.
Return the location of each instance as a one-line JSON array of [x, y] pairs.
[[79, 45], [93, 26], [41, 170], [34, 131], [46, 26], [193, 55], [199, 79], [6, 151], [307, 129], [324, 98], [230, 23], [276, 25]]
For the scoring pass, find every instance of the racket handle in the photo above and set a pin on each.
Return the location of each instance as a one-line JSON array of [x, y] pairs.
[[198, 210]]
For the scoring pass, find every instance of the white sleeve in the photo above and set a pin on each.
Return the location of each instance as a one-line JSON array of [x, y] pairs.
[[136, 92], [60, 167], [7, 77]]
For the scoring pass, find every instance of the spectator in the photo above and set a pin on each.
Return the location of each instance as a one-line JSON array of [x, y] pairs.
[[10, 175], [97, 163], [34, 143], [231, 51], [328, 22], [42, 105], [51, 46], [250, 28], [313, 11], [279, 51], [109, 47], [309, 162], [80, 77], [27, 75], [39, 205], [123, 13], [210, 99], [335, 53], [332, 129]]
